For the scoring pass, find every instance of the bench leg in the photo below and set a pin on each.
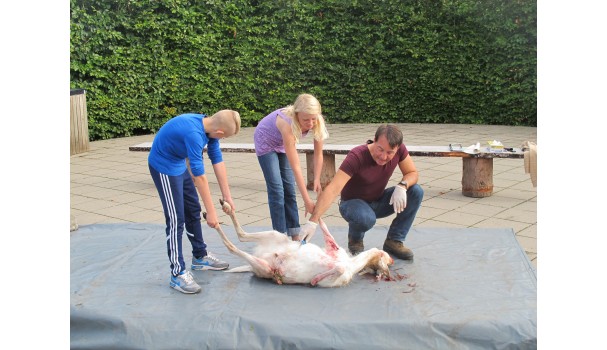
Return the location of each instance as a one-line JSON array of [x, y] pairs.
[[328, 170], [477, 178]]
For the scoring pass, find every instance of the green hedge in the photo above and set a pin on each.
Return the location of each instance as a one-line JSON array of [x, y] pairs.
[[426, 61]]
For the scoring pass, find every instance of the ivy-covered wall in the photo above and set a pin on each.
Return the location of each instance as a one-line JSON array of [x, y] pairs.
[[427, 61]]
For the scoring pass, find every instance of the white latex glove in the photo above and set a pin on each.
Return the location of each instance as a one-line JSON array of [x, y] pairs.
[[399, 199], [307, 231]]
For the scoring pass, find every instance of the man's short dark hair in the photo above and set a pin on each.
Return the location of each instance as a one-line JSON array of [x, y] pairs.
[[393, 134]]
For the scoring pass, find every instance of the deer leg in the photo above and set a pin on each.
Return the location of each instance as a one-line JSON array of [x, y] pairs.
[[251, 237], [331, 246], [334, 272], [259, 266]]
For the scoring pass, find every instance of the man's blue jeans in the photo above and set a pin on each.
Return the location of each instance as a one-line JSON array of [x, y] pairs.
[[280, 184], [361, 215]]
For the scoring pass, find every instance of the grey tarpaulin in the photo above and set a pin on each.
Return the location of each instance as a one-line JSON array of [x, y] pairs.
[[466, 289]]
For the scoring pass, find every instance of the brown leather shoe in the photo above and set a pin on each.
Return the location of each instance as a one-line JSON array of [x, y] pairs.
[[398, 249], [355, 246]]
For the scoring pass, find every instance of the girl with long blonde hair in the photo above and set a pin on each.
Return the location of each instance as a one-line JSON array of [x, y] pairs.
[[275, 138]]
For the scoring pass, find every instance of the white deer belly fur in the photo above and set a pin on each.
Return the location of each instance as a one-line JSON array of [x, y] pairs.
[[277, 257], [301, 263]]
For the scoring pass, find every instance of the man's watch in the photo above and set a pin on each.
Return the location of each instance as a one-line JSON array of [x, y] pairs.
[[404, 183]]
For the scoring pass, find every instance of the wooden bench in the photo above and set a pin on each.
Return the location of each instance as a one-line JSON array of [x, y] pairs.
[[477, 171]]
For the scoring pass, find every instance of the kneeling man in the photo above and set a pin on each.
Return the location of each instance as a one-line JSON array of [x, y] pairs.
[[362, 179]]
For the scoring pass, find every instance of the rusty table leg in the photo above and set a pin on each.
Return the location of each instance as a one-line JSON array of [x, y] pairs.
[[477, 177]]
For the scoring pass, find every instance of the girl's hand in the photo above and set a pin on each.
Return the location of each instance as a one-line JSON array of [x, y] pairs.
[[317, 188], [309, 208]]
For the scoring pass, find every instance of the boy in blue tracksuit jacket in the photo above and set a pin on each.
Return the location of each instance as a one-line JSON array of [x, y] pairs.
[[184, 138]]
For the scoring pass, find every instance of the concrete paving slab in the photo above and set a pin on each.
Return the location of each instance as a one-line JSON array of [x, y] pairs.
[[110, 184]]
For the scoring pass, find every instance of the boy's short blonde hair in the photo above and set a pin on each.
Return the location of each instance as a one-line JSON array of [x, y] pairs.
[[227, 120]]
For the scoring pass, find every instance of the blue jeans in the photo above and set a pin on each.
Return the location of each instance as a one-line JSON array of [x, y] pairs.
[[361, 215], [181, 208], [280, 184]]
